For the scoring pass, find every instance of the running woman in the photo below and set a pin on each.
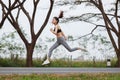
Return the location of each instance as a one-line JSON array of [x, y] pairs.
[[61, 39]]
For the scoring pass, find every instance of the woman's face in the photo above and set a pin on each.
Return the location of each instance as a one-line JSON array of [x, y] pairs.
[[54, 21]]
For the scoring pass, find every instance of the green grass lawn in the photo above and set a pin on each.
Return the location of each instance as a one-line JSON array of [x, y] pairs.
[[98, 76], [54, 63]]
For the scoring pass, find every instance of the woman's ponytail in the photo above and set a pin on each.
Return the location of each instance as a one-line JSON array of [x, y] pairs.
[[61, 14]]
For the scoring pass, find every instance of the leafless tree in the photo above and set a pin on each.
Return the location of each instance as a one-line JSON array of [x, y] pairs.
[[14, 20]]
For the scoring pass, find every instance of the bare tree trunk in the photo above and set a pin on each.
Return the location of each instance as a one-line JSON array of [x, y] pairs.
[[110, 28], [118, 61], [118, 54], [30, 50], [117, 50], [29, 62]]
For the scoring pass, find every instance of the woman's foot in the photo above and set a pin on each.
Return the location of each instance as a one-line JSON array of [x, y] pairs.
[[46, 62], [82, 49]]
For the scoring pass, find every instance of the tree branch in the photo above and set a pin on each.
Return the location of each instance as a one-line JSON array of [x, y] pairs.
[[17, 27], [61, 3], [18, 13], [4, 12], [20, 4], [108, 25], [9, 3], [107, 19], [13, 22], [4, 16], [25, 12], [90, 32], [117, 21], [95, 3], [33, 18], [47, 18], [11, 7], [3, 5], [116, 13]]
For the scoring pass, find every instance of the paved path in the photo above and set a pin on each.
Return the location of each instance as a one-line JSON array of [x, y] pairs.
[[19, 70]]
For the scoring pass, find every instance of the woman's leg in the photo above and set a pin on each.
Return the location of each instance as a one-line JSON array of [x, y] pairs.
[[64, 43], [47, 61], [52, 48]]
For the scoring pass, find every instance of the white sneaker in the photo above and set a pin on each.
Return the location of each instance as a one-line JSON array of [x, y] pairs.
[[46, 62]]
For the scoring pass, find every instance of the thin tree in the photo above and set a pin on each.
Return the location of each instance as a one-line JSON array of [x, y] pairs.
[[14, 20]]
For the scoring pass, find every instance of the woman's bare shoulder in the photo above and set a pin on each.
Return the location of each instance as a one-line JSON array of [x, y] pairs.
[[58, 26]]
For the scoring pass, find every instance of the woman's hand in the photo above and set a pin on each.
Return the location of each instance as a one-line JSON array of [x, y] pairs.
[[65, 37], [51, 30]]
